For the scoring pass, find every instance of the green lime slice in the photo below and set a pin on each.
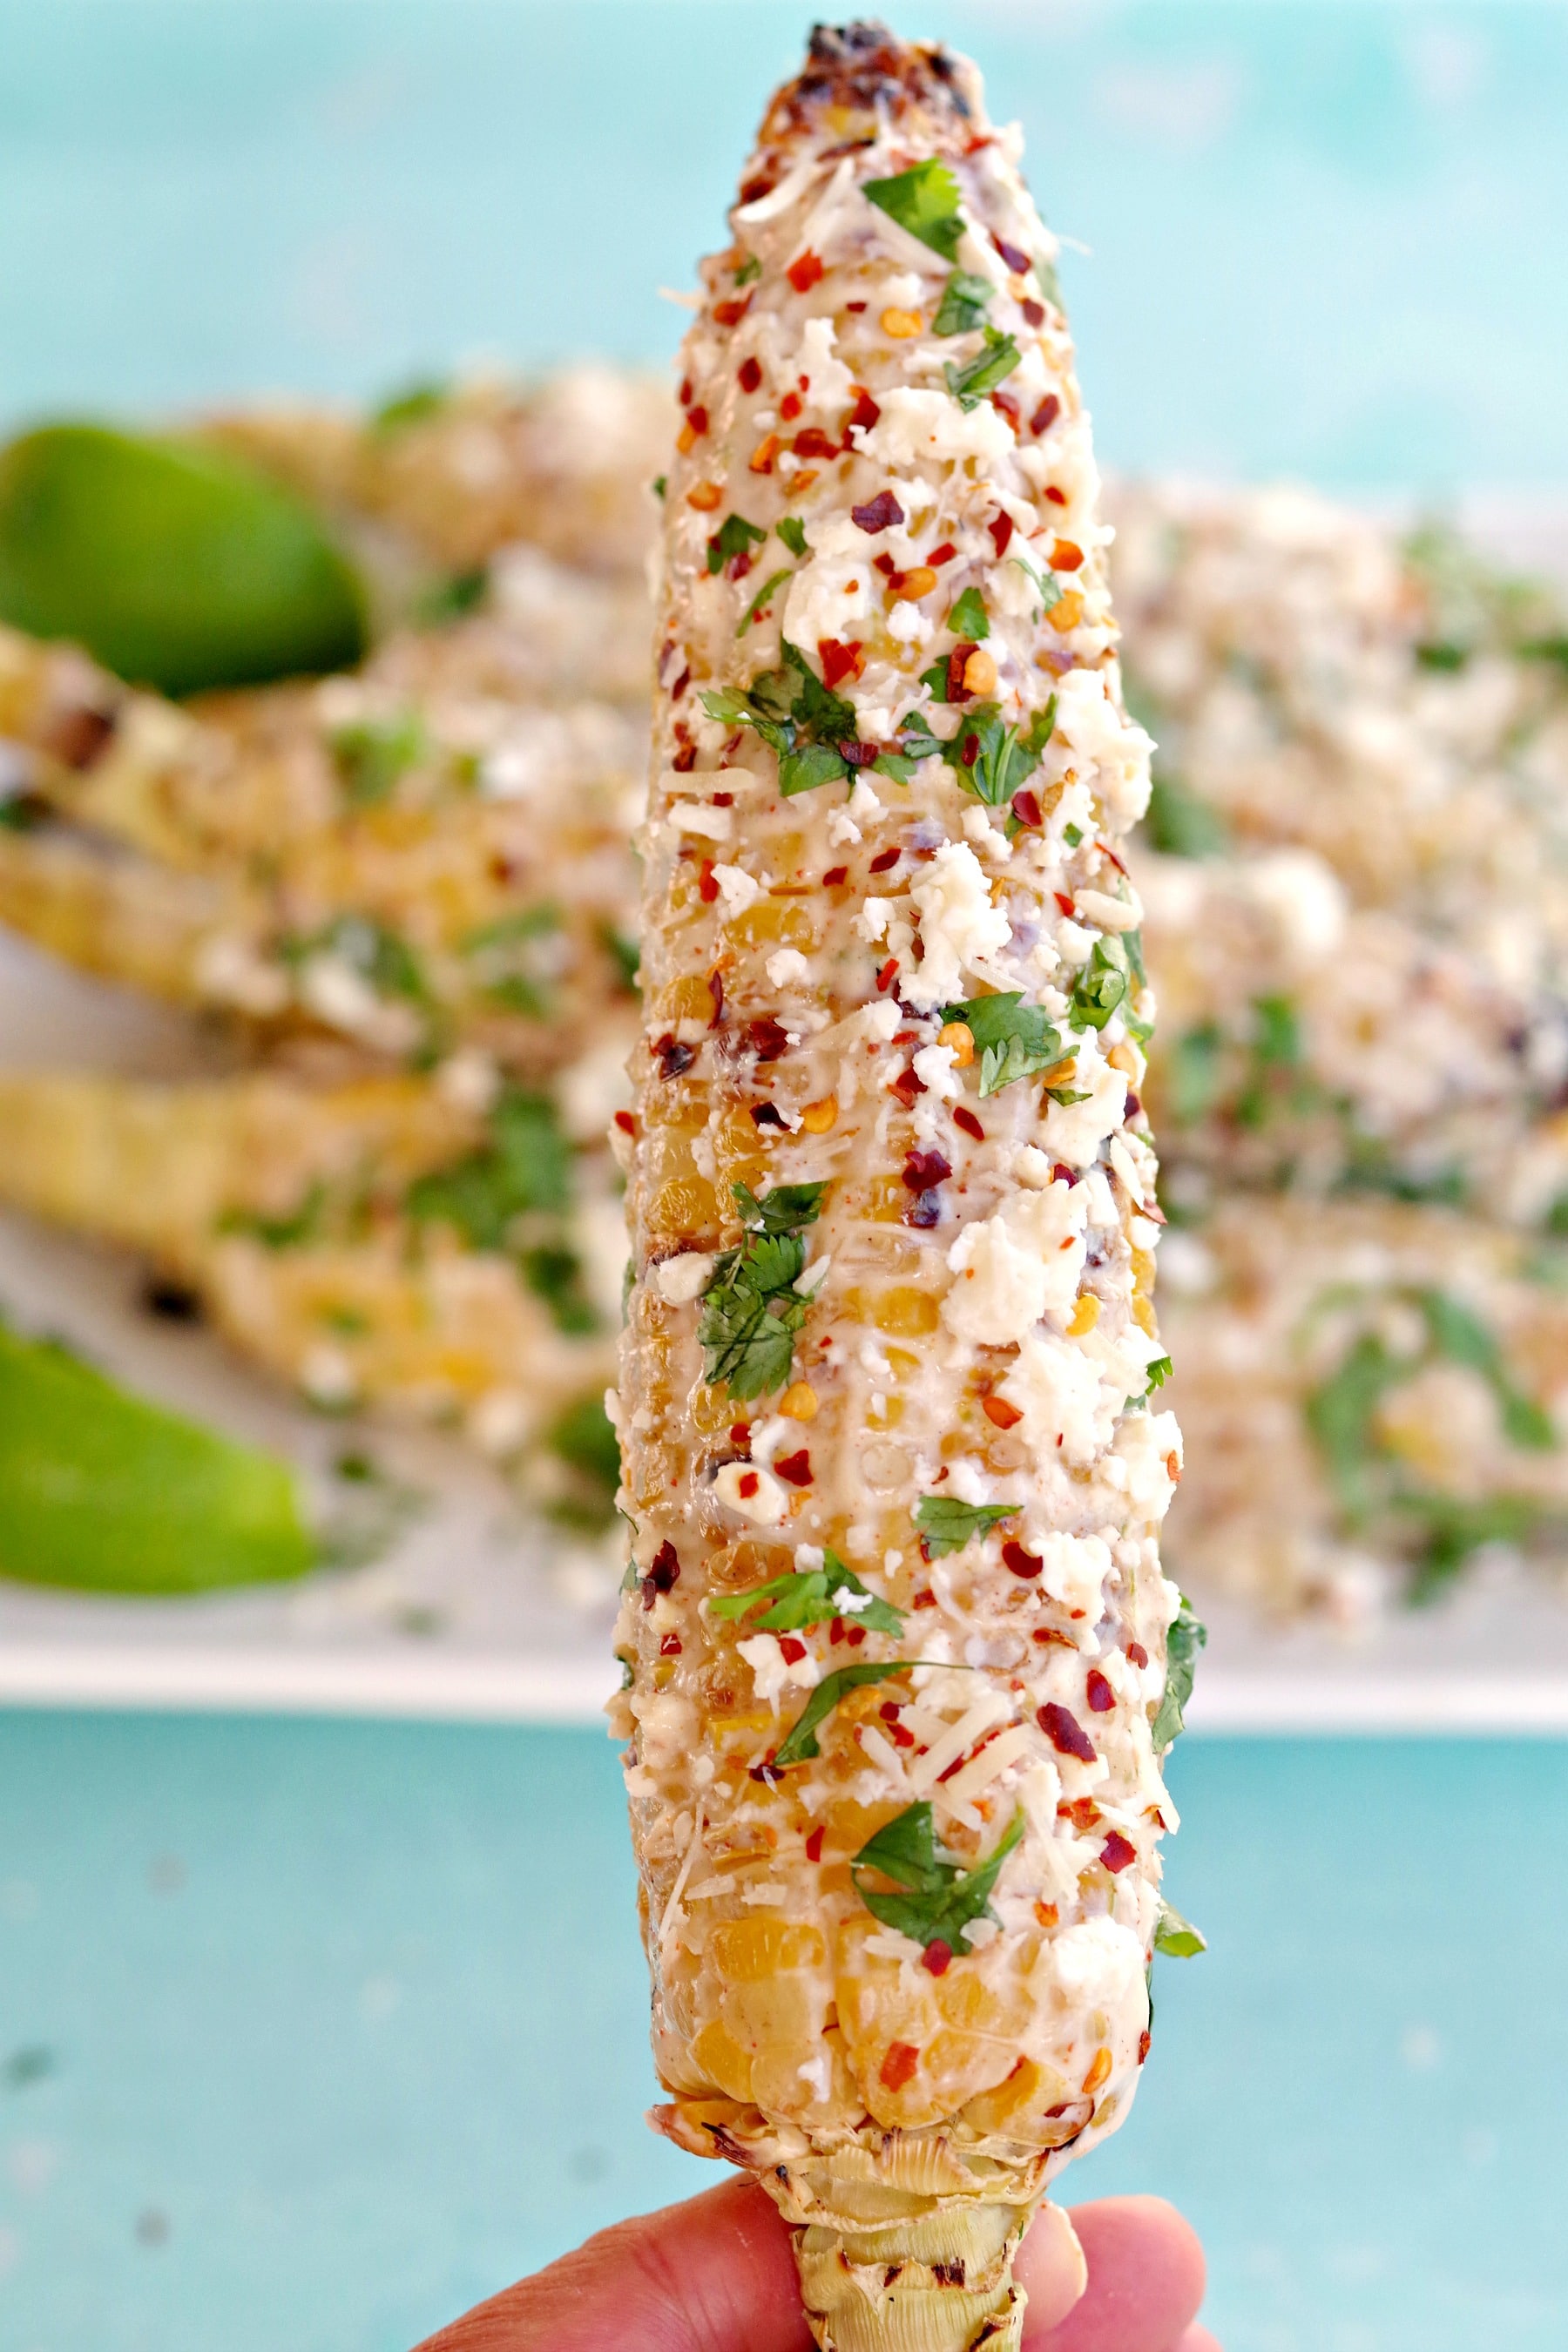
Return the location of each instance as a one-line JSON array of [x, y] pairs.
[[177, 567], [106, 1493]]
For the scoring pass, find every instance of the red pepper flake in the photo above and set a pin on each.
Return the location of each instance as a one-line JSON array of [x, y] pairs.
[[670, 1646], [924, 1598], [1063, 901], [971, 751], [814, 1844], [865, 414], [723, 799], [1066, 556], [937, 1957], [707, 888], [886, 976], [1001, 529], [1043, 417], [1134, 1105], [899, 2066], [768, 1038], [855, 1636], [999, 1411], [924, 1169], [1062, 1174], [748, 1485], [902, 1736], [1034, 311], [880, 513], [685, 391], [886, 859], [1027, 809], [673, 1059], [811, 441], [716, 991], [1145, 2043], [1102, 1697], [766, 1114], [796, 1468], [1137, 1654], [626, 1122], [662, 1576], [697, 418], [1049, 1634], [835, 1632], [956, 689], [969, 1123], [940, 555], [858, 755], [791, 1650], [1005, 406], [676, 691], [840, 660], [907, 1085], [685, 759], [1058, 498], [729, 313], [1017, 262], [854, 306], [1117, 1853], [740, 1436], [805, 271], [1065, 1732], [834, 876], [1083, 1813], [1027, 1564], [790, 406], [749, 374], [768, 1773], [761, 185]]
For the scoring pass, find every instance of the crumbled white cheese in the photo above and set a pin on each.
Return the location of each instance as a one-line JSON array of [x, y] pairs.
[[959, 926], [1090, 722], [787, 968], [1075, 1131], [756, 1494], [703, 818], [830, 382], [919, 428], [772, 1671], [1015, 1267], [678, 1280], [737, 891], [1055, 1384], [934, 1068]]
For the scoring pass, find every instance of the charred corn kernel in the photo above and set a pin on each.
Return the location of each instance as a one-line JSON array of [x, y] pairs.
[[762, 455], [901, 324], [706, 497], [913, 1269], [1098, 2072]]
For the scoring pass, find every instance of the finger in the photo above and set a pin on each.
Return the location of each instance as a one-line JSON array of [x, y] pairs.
[[1198, 2339], [705, 2276], [1145, 2281], [1050, 2265]]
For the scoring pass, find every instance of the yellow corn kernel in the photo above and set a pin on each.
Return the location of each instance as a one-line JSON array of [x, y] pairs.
[[1122, 1057], [1067, 612], [683, 999], [798, 1402], [1009, 2101], [959, 1039], [980, 672], [759, 1946], [817, 1118], [917, 584], [1144, 1271], [723, 2061], [775, 922], [683, 1208], [1085, 1314], [1098, 2072], [911, 1312], [901, 324], [1143, 1314]]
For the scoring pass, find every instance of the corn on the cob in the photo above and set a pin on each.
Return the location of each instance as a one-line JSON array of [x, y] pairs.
[[387, 1241], [894, 1468], [471, 468], [1371, 1392]]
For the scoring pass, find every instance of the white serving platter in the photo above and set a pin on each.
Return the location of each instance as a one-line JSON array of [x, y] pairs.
[[476, 1612]]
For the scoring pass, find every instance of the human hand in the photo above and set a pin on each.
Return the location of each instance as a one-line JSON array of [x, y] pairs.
[[716, 2274]]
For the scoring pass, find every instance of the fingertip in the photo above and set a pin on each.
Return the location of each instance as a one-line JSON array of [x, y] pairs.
[[1050, 2267], [1146, 2277], [1198, 2339]]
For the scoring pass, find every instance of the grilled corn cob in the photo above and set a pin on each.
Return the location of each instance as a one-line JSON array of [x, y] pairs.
[[1372, 1393], [391, 1242], [895, 1629]]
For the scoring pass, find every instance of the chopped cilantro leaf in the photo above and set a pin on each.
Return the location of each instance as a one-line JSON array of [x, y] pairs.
[[924, 200], [290, 1232], [1159, 1372], [799, 1744], [503, 961], [1050, 284], [1186, 1639], [734, 536], [751, 1308], [796, 715], [965, 298], [1195, 1073], [1016, 1040], [786, 1209], [414, 406], [976, 377], [625, 952], [372, 754], [807, 1597], [947, 1525], [751, 269], [448, 599], [1180, 824], [1099, 986], [525, 1166], [584, 1437], [1072, 834], [969, 617], [377, 953], [792, 531], [938, 1898], [990, 759], [763, 596], [1176, 1936], [661, 484], [554, 1273], [936, 679]]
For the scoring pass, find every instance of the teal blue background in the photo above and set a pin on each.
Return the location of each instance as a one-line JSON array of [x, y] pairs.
[[1327, 238], [312, 2033]]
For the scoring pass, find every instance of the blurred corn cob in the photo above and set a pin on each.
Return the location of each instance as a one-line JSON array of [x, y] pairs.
[[394, 1241], [896, 1635], [1371, 1393]]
